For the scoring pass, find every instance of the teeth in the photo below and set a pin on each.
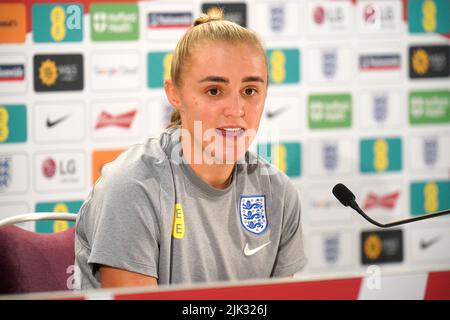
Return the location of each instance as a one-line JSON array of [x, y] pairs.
[[232, 129]]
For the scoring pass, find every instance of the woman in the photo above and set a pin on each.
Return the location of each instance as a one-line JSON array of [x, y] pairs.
[[194, 205]]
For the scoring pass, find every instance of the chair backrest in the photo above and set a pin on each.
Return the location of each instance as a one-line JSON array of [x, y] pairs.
[[34, 262]]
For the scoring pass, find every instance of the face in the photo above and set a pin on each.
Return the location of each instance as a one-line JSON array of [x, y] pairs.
[[221, 99]]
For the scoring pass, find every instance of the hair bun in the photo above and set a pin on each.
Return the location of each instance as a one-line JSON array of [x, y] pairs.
[[213, 14]]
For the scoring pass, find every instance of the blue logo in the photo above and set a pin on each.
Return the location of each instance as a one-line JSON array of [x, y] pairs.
[[252, 211], [330, 156], [5, 172], [329, 63], [380, 107], [430, 151], [277, 15], [331, 248]]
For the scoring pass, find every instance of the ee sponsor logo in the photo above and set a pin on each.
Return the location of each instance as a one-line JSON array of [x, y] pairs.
[[430, 196], [284, 66], [285, 156], [54, 226], [380, 155], [429, 16], [158, 64], [13, 124]]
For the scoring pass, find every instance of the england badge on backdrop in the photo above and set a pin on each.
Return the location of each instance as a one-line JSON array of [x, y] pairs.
[[253, 214]]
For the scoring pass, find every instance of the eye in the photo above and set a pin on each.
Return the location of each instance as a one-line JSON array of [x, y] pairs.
[[249, 91], [213, 92]]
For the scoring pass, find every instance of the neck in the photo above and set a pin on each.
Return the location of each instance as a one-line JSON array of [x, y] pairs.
[[216, 175]]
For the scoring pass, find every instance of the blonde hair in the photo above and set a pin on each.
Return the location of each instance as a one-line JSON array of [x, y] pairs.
[[207, 27]]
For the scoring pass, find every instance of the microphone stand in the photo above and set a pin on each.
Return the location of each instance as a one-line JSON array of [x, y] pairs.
[[354, 205]]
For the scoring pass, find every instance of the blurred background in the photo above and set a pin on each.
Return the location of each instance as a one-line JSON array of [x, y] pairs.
[[359, 93]]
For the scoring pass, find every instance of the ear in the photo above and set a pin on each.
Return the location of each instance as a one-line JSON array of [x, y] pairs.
[[172, 94]]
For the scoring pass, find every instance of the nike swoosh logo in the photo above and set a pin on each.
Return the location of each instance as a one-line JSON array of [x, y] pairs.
[[53, 123], [272, 114], [250, 252], [426, 244]]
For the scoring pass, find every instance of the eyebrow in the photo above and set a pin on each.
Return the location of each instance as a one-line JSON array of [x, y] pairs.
[[226, 81]]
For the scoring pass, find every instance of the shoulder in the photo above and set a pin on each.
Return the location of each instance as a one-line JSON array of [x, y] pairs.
[[139, 162]]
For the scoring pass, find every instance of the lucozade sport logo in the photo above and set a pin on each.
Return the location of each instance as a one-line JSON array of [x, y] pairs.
[[101, 158], [12, 23]]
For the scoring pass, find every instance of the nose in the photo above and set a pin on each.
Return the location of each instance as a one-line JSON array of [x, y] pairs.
[[234, 107]]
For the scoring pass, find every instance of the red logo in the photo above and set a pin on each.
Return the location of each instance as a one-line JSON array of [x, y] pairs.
[[370, 14], [387, 201], [319, 15], [123, 120], [49, 167]]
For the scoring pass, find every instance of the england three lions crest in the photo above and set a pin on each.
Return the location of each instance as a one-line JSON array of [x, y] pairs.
[[253, 214]]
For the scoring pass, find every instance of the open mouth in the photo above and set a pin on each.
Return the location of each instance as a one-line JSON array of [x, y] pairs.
[[230, 132]]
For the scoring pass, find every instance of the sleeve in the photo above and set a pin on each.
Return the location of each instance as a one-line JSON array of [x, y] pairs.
[[291, 255], [125, 231]]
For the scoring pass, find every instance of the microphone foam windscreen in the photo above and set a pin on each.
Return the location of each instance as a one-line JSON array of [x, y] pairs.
[[343, 194]]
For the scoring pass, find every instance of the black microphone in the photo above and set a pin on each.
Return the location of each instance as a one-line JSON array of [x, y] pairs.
[[347, 198]]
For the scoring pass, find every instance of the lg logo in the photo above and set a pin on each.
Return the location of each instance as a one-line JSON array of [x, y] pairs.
[[64, 168]]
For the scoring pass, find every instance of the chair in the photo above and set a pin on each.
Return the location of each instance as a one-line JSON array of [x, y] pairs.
[[34, 262]]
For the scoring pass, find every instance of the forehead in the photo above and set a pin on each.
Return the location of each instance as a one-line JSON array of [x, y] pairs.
[[228, 58]]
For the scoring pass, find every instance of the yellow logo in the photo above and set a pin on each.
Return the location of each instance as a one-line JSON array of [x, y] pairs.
[[431, 196], [278, 71], [60, 225], [178, 222], [420, 61], [381, 156], [48, 72], [280, 157], [429, 19], [167, 62], [373, 247], [57, 18], [4, 129]]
